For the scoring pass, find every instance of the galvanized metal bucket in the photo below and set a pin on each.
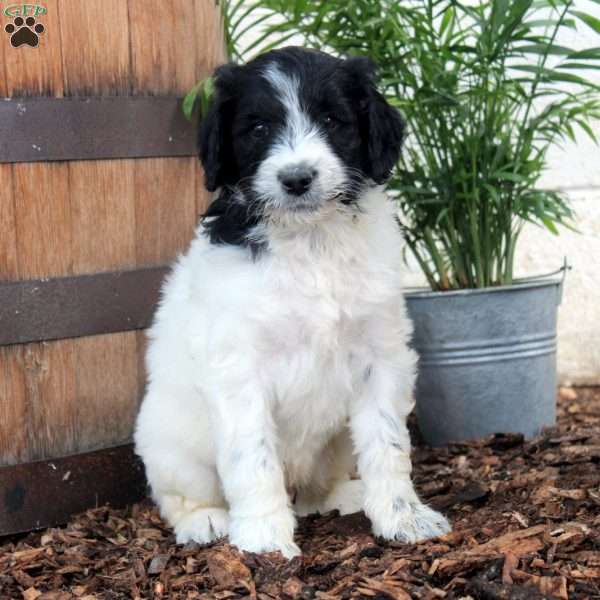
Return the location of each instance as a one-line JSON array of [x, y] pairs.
[[487, 359]]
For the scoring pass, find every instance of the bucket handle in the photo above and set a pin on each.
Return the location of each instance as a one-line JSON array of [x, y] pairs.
[[566, 267], [562, 270]]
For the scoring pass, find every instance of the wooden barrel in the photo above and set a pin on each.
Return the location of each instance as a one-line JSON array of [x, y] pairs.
[[99, 189]]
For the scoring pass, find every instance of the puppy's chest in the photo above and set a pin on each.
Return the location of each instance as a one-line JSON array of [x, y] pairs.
[[320, 302], [316, 340], [319, 348]]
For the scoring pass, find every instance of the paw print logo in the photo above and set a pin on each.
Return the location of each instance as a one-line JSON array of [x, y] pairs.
[[24, 32]]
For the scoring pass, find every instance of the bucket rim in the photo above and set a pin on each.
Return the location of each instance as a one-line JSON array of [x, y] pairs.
[[556, 278]]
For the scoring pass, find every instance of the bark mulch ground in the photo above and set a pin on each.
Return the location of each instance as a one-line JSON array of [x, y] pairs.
[[526, 519]]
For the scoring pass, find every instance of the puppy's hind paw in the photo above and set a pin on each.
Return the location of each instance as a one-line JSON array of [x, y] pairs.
[[347, 496], [269, 533], [202, 525], [410, 522]]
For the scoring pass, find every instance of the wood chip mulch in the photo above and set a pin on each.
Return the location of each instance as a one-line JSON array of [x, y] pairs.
[[526, 519]]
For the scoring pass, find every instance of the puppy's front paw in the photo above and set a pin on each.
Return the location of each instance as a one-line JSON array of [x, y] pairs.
[[265, 533], [407, 521]]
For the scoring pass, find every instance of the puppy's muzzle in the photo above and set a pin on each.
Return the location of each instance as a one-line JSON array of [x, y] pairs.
[[297, 179]]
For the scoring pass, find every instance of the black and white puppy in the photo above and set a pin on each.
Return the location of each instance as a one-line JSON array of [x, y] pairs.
[[279, 359]]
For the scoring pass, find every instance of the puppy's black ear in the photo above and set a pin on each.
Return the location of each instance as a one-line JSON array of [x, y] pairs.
[[214, 137], [382, 127]]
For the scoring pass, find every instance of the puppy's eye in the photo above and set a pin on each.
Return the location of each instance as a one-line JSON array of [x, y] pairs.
[[259, 131], [331, 122]]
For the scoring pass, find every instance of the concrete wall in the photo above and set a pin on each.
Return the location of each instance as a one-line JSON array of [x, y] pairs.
[[579, 315], [576, 170]]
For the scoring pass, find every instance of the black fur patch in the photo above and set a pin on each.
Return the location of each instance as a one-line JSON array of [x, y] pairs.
[[228, 222]]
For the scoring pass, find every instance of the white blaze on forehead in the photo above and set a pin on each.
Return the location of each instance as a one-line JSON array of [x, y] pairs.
[[300, 142], [287, 88]]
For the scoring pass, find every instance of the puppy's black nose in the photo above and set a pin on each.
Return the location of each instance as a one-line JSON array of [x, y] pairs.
[[296, 179]]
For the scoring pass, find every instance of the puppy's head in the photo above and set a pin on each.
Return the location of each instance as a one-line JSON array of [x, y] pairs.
[[295, 130]]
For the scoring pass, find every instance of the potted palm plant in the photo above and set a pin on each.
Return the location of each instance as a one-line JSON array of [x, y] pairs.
[[486, 89]]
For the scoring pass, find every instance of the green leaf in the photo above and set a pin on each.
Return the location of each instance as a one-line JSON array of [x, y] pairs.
[[555, 75], [591, 21], [528, 68], [447, 20], [207, 91], [549, 23], [189, 102], [200, 94], [507, 176], [577, 66], [545, 49], [550, 226], [589, 53], [588, 130]]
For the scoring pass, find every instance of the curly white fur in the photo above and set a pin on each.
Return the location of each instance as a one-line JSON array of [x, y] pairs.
[[270, 378]]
